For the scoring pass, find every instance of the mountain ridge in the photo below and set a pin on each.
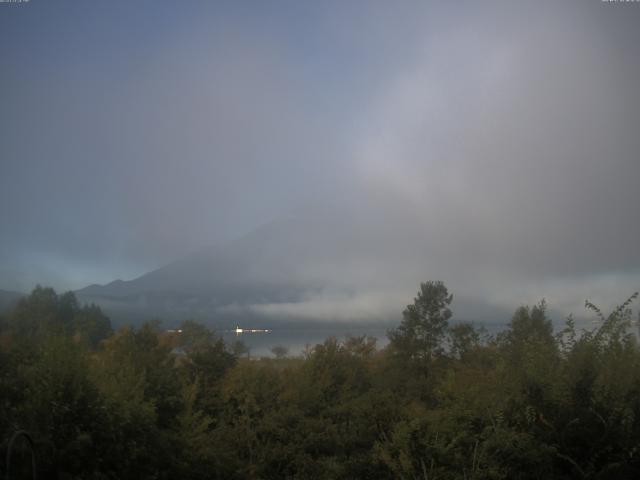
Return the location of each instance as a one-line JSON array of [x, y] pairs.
[[256, 268]]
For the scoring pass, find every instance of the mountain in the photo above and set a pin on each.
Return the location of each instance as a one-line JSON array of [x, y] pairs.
[[291, 270], [266, 266]]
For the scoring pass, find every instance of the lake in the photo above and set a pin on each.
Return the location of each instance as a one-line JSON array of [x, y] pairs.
[[295, 339]]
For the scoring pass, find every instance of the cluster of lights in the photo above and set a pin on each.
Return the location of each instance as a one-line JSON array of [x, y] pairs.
[[239, 330]]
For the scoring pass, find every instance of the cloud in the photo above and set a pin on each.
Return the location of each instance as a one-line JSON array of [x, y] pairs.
[[487, 145], [510, 151], [361, 307]]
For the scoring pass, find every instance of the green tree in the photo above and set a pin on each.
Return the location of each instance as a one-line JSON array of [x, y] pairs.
[[279, 351], [37, 315], [530, 326], [463, 339], [424, 324], [240, 349], [44, 313], [91, 324], [195, 336], [61, 409]]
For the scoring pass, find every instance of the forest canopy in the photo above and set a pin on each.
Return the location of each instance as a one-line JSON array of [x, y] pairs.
[[443, 400]]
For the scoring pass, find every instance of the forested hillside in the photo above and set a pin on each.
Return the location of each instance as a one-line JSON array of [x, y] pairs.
[[443, 400]]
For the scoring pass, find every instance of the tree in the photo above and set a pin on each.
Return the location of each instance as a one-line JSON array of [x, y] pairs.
[[67, 310], [195, 336], [36, 316], [240, 349], [91, 324], [424, 323], [279, 351], [44, 313], [529, 326], [463, 339], [61, 409], [360, 346]]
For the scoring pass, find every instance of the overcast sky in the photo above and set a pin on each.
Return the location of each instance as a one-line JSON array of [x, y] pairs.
[[494, 145]]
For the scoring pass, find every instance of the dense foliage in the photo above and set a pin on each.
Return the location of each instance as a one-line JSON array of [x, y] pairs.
[[441, 401]]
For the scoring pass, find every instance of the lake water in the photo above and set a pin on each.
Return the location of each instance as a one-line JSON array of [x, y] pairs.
[[296, 339]]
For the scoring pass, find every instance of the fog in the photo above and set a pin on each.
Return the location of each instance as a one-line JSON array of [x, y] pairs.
[[494, 147]]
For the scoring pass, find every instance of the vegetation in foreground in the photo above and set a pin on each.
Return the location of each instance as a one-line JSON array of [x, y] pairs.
[[441, 401]]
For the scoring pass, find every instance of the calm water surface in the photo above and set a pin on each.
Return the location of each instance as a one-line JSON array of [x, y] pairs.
[[296, 339]]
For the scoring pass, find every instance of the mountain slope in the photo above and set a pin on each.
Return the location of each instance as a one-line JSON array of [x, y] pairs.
[[313, 269], [262, 267]]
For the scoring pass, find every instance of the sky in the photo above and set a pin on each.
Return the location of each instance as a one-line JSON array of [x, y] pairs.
[[494, 145]]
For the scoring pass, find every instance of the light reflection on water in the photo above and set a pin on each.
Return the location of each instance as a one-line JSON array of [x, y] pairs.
[[295, 339]]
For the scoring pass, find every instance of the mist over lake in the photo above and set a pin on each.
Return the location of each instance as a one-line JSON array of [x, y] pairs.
[[335, 240]]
